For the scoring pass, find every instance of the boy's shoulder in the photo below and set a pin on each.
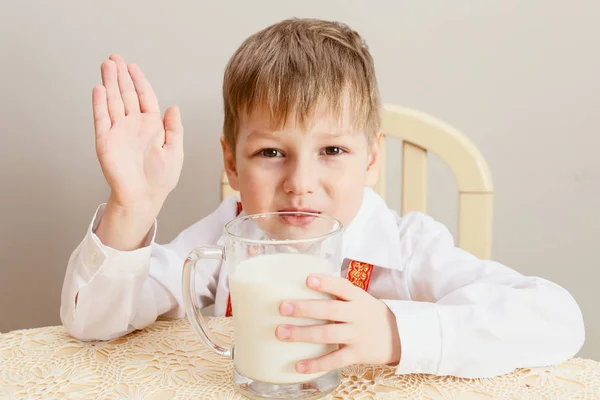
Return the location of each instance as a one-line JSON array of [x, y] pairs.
[[229, 208], [209, 229], [414, 223], [383, 237]]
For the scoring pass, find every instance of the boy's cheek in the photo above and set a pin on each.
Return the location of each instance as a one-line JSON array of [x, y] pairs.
[[347, 200], [257, 193]]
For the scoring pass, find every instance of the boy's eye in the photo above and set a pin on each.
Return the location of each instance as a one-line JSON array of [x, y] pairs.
[[332, 151], [269, 153]]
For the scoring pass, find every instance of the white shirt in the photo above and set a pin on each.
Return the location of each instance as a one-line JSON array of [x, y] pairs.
[[456, 315]]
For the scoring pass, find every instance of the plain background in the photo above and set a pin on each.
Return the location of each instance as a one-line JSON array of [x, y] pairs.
[[519, 78]]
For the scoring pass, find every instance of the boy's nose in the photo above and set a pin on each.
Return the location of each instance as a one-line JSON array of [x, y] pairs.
[[301, 177]]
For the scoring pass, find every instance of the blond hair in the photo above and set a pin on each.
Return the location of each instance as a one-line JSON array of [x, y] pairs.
[[295, 65]]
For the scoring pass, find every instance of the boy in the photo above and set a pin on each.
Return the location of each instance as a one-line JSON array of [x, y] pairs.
[[301, 132]]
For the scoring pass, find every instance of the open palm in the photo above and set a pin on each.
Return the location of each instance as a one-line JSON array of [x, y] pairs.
[[141, 154]]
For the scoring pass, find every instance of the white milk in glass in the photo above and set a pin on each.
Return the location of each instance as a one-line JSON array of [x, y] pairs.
[[258, 286]]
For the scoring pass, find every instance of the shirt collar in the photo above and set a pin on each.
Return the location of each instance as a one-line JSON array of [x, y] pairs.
[[372, 237]]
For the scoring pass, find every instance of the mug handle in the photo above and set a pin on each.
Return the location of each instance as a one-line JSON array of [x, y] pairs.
[[189, 298]]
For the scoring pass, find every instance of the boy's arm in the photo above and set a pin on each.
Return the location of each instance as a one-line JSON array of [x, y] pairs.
[[108, 293], [109, 288], [103, 287], [475, 318]]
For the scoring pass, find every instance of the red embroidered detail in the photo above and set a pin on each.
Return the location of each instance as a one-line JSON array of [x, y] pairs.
[[359, 274], [229, 312], [255, 250]]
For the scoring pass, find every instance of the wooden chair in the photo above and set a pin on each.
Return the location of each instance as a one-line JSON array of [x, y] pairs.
[[421, 133]]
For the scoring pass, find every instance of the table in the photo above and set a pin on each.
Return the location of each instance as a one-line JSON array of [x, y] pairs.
[[168, 361]]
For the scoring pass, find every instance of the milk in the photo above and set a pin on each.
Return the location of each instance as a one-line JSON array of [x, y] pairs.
[[258, 286]]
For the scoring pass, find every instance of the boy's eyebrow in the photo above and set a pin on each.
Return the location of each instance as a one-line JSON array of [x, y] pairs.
[[258, 134], [334, 134]]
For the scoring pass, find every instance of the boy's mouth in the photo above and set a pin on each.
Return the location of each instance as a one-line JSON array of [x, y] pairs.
[[298, 219]]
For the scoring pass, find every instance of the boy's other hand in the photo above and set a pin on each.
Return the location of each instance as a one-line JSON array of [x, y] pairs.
[[364, 326], [140, 152]]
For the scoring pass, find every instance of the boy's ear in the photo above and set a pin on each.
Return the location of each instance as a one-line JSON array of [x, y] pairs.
[[229, 163], [374, 166]]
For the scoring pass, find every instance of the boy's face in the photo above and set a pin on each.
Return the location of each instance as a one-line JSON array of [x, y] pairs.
[[323, 168]]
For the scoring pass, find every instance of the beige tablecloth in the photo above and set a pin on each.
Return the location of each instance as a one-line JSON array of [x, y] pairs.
[[168, 361]]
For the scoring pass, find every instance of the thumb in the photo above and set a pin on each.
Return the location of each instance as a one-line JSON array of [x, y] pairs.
[[173, 127]]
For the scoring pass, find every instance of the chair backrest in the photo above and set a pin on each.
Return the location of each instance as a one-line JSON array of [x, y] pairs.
[[421, 133]]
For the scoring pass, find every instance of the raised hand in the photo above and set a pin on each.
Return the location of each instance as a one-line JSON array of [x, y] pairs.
[[141, 154]]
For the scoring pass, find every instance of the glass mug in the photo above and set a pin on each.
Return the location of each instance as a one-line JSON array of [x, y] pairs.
[[269, 257]]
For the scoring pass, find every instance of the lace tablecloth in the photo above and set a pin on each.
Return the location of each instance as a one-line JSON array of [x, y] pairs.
[[168, 361]]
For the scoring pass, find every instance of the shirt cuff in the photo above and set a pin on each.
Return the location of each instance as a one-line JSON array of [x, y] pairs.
[[419, 329], [96, 254]]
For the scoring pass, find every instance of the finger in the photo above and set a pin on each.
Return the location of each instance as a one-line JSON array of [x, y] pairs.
[[109, 79], [173, 128], [337, 359], [332, 310], [147, 98], [126, 87], [100, 110], [334, 285], [322, 334]]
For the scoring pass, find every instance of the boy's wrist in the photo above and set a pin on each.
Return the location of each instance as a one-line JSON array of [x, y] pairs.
[[139, 212], [126, 228]]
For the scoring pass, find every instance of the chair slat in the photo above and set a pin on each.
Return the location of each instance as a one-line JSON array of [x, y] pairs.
[[381, 182], [414, 178], [475, 216]]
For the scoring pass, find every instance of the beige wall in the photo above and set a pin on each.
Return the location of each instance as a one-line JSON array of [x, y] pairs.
[[520, 78]]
